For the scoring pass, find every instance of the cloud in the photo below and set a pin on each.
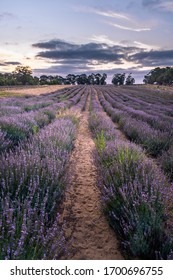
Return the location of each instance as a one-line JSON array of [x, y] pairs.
[[111, 14], [55, 44], [6, 15], [11, 43], [66, 57], [150, 3], [58, 49], [166, 6], [7, 63], [103, 39], [120, 17], [129, 28], [160, 5], [145, 46], [102, 12], [13, 63], [153, 58]]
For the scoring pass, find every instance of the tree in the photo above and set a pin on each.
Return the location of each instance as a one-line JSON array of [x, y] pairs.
[[71, 78], [91, 79], [2, 80], [23, 75], [130, 80], [43, 80], [118, 79], [82, 79], [103, 79], [160, 76]]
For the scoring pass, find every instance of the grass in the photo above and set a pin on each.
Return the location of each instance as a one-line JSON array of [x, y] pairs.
[[11, 94]]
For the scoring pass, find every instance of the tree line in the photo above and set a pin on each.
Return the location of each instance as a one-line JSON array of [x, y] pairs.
[[22, 75]]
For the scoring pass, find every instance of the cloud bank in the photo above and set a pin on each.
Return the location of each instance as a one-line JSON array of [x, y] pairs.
[[67, 54]]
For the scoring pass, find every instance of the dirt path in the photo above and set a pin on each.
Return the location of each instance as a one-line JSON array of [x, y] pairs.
[[87, 230]]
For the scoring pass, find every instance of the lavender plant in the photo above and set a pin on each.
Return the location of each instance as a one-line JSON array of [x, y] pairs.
[[133, 191], [32, 180], [166, 161]]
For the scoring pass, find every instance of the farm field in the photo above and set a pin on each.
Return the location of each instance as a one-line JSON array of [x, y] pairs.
[[29, 90], [86, 172]]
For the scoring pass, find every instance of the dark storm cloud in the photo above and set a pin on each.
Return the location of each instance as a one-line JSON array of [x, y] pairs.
[[57, 50], [153, 58]]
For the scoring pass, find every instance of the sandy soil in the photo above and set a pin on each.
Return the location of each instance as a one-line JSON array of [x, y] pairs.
[[87, 231], [34, 90]]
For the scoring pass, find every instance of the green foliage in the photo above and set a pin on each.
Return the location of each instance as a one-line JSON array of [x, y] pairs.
[[100, 141], [167, 162], [51, 116], [41, 120], [14, 133], [160, 76], [130, 80], [118, 79]]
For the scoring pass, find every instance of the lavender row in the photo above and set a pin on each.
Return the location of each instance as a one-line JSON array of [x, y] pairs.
[[87, 94], [155, 102], [11, 106], [94, 104], [157, 142], [157, 121], [166, 162], [20, 127], [32, 181], [133, 191], [154, 141]]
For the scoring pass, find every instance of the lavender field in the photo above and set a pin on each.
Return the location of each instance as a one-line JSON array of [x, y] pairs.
[[53, 144]]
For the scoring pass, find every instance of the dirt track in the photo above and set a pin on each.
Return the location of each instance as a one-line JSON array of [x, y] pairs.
[[87, 231]]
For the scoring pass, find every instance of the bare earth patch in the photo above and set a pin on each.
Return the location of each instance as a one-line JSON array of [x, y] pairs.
[[86, 230]]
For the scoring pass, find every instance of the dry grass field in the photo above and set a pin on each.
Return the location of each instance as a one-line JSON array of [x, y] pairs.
[[29, 90]]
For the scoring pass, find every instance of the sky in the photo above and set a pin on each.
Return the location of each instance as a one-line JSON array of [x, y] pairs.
[[56, 37]]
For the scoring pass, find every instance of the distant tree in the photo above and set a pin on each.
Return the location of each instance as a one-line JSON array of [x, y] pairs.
[[36, 80], [90, 79], [71, 78], [130, 80], [99, 79], [118, 79], [103, 79], [23, 75], [2, 80], [81, 79], [160, 76], [44, 80]]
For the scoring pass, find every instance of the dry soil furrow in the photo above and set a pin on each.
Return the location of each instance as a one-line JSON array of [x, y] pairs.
[[87, 230]]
